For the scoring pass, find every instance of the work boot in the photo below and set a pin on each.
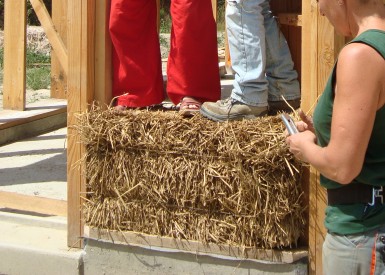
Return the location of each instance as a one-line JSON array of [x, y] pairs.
[[281, 106], [230, 109]]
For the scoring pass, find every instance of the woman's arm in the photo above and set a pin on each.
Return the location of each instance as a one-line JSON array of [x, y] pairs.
[[360, 73]]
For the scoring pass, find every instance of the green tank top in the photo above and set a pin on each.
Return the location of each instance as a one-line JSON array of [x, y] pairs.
[[355, 218]]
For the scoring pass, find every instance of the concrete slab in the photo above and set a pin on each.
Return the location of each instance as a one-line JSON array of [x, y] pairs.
[[36, 166], [38, 117], [103, 256], [36, 245]]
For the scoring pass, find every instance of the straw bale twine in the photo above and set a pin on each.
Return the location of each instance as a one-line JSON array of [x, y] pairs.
[[155, 172]]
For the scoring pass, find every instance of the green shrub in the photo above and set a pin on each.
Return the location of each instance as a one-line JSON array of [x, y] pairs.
[[165, 18], [38, 78], [38, 72]]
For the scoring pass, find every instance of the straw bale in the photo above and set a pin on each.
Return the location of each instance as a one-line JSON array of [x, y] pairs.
[[155, 172]]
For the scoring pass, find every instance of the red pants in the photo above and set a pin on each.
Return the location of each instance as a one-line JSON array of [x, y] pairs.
[[192, 68]]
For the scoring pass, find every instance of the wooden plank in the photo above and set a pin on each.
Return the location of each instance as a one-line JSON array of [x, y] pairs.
[[74, 178], [290, 19], [309, 96], [214, 6], [158, 15], [58, 75], [140, 239], [81, 65], [320, 46], [229, 70], [14, 97], [34, 204], [328, 47], [33, 112], [103, 64], [88, 55], [52, 35]]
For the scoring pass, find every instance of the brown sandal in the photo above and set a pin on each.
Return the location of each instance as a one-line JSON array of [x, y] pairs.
[[189, 106]]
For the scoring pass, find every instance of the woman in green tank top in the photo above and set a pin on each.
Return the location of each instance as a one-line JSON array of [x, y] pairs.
[[345, 140]]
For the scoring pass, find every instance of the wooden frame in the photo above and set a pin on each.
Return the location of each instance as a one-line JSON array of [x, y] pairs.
[[14, 54], [84, 57], [16, 112]]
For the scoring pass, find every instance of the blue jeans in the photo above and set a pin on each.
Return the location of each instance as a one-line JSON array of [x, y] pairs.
[[354, 254], [259, 54]]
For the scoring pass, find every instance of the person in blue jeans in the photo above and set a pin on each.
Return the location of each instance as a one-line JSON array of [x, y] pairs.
[[261, 60]]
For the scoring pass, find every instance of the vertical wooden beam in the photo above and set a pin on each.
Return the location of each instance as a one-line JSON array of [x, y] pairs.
[[103, 65], [309, 96], [214, 5], [58, 75], [52, 34], [227, 50], [320, 47], [81, 59], [158, 15], [15, 28], [310, 16], [329, 45]]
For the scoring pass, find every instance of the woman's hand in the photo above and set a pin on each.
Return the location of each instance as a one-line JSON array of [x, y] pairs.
[[306, 123], [299, 142]]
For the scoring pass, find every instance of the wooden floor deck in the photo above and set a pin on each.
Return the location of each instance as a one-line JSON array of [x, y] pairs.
[[38, 117]]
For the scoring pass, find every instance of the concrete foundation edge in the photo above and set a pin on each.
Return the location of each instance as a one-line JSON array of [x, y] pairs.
[[103, 257], [21, 260]]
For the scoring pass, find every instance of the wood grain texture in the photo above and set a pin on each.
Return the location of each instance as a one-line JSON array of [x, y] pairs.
[[58, 75], [103, 64], [52, 35], [81, 80], [14, 83], [39, 205]]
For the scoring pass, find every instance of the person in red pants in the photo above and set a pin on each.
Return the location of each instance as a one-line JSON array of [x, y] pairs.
[[192, 68]]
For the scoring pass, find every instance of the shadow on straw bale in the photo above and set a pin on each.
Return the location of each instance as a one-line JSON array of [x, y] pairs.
[[155, 172]]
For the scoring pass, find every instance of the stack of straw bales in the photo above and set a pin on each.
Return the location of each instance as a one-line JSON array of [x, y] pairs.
[[155, 172]]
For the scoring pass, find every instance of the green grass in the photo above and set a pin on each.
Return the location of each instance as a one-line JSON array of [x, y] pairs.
[[38, 71], [165, 19], [38, 78], [165, 25]]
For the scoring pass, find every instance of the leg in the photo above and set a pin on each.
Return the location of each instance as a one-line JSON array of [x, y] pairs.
[[280, 73], [192, 68], [136, 59], [246, 37], [354, 254]]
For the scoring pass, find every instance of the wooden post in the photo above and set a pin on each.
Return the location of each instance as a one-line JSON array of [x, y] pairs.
[[228, 68], [103, 65], [15, 28], [214, 5], [158, 15], [58, 76], [308, 97], [81, 61], [52, 35], [320, 46]]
